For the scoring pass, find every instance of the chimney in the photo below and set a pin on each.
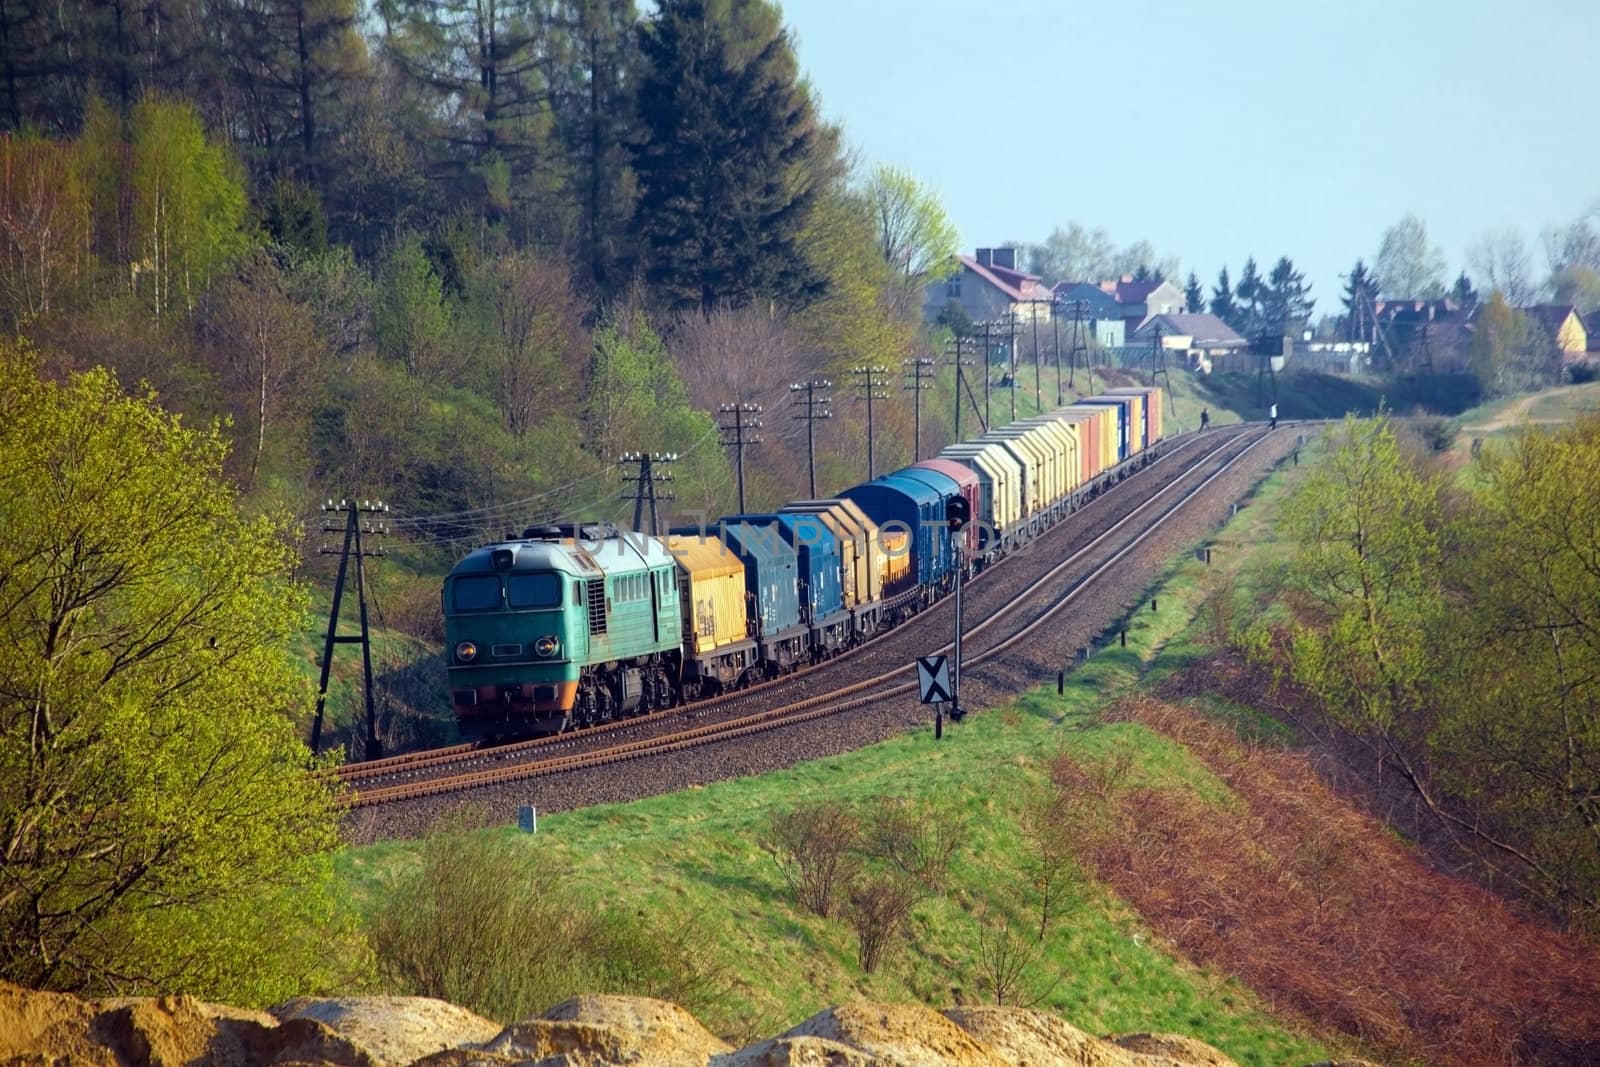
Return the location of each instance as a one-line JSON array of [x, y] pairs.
[[1005, 257], [985, 257]]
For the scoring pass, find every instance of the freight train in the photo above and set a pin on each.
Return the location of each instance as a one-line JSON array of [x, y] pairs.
[[570, 626]]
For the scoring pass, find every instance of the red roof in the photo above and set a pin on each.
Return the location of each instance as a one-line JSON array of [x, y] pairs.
[[1015, 284]]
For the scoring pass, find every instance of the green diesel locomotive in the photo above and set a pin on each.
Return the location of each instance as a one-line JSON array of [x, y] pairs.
[[567, 627]]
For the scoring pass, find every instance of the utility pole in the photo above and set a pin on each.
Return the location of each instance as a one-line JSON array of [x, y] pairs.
[[644, 484], [746, 418], [1078, 345], [919, 377], [813, 407], [988, 368], [1265, 369], [353, 526], [1038, 387], [961, 383], [869, 379], [1158, 369], [1011, 356], [1055, 345]]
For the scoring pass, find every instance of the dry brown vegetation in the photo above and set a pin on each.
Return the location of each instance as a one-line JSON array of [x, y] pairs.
[[1318, 907]]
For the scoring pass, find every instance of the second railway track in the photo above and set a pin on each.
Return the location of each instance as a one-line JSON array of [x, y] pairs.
[[1013, 600]]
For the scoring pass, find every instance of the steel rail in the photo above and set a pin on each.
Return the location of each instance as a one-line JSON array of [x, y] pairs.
[[468, 754], [819, 706]]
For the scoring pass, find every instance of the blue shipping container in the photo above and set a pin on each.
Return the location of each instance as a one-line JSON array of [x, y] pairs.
[[817, 553], [771, 575], [917, 508]]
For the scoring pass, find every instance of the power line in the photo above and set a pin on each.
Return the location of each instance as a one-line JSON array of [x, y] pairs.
[[354, 526], [813, 407], [745, 420], [644, 483], [919, 378], [869, 379]]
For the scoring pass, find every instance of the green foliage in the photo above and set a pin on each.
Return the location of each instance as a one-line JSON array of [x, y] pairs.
[[44, 224], [160, 827], [1409, 266], [868, 311], [494, 926], [188, 205], [1520, 736], [411, 322], [1509, 352], [484, 108], [1368, 530], [637, 403], [915, 236], [1464, 651], [293, 218], [726, 157]]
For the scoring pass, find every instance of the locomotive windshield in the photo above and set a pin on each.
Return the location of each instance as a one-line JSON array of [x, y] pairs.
[[481, 593], [534, 590]]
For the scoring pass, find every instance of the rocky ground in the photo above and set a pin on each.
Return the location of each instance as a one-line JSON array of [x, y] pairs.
[[53, 1028]]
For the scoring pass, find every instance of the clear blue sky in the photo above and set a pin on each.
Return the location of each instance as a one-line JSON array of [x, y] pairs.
[[1228, 128]]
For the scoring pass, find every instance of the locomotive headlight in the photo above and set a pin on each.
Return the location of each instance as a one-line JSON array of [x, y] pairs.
[[466, 652], [546, 646]]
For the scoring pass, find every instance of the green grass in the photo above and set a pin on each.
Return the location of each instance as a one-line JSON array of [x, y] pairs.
[[696, 856]]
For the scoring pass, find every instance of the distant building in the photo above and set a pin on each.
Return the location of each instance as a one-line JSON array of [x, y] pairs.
[[1200, 339], [988, 286], [1564, 326], [1101, 313], [1097, 303], [1142, 301]]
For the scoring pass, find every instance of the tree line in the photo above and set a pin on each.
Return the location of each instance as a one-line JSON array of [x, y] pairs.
[[1456, 641], [456, 253]]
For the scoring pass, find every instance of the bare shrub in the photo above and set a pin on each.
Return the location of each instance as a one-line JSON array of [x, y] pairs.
[[1007, 958], [877, 907], [1312, 902], [917, 843], [815, 847], [1059, 830]]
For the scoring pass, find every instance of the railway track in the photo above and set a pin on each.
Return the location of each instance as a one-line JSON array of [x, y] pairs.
[[1011, 610], [789, 687]]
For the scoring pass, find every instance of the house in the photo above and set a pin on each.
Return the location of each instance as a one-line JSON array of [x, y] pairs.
[[1564, 326], [1091, 304], [1140, 301], [1096, 302], [1435, 332], [1199, 338], [1591, 326], [988, 286]]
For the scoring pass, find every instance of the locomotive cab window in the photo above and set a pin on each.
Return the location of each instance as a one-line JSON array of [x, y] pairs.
[[533, 590], [476, 593]]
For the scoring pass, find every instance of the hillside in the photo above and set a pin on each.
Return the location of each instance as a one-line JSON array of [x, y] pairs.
[[1177, 832]]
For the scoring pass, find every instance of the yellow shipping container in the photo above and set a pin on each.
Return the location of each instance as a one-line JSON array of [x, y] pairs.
[[712, 580]]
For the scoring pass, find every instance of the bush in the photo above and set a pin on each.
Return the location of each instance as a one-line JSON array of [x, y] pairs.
[[489, 924], [815, 848]]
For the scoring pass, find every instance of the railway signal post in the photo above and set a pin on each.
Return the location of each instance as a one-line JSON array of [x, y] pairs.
[[957, 512]]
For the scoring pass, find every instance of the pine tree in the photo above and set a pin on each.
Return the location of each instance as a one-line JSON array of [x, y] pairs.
[[592, 81], [724, 193], [1463, 293], [478, 64], [1247, 298], [1222, 305], [292, 59], [1194, 295], [1286, 302], [1360, 294]]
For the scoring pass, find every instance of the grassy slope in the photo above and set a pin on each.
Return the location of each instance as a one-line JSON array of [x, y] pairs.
[[697, 856]]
